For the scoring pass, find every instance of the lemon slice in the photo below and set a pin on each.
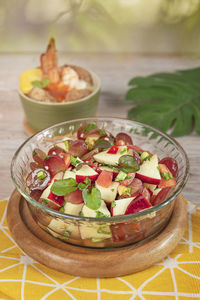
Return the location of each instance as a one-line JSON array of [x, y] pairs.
[[26, 78]]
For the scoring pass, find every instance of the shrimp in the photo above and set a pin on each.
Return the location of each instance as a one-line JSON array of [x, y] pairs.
[[49, 63]]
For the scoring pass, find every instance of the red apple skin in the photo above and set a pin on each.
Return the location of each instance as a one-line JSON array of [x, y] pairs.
[[57, 199], [162, 195], [148, 179], [138, 204], [81, 178], [51, 204]]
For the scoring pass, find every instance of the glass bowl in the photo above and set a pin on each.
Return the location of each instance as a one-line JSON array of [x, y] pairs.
[[107, 232]]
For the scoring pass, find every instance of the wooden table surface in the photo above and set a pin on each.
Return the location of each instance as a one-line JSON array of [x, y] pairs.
[[115, 70]]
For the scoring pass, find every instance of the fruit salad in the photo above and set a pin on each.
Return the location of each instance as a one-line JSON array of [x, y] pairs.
[[53, 83], [99, 175]]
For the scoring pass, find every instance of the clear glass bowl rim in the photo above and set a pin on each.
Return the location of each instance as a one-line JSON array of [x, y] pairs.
[[103, 219]]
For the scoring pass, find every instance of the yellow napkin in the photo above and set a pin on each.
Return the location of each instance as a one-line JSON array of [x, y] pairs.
[[175, 277]]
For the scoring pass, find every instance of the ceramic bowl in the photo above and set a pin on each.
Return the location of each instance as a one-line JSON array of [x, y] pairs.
[[42, 114], [119, 230]]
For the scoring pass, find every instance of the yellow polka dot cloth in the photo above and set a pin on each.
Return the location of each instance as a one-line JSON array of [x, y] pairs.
[[175, 277]]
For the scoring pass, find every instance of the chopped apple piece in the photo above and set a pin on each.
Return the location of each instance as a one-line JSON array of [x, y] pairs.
[[121, 206], [108, 194], [84, 172], [72, 209], [137, 204], [149, 171], [69, 174], [111, 159], [95, 231], [58, 227], [88, 212]]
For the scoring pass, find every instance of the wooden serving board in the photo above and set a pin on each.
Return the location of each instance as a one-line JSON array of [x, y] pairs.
[[86, 262]]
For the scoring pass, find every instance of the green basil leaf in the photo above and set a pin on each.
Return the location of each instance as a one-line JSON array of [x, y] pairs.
[[93, 199], [64, 186], [128, 164]]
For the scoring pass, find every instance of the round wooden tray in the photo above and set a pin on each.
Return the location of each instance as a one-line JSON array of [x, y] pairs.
[[79, 261]]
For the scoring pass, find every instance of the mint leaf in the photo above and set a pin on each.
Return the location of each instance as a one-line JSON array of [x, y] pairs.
[[63, 187], [89, 127], [167, 101], [93, 199]]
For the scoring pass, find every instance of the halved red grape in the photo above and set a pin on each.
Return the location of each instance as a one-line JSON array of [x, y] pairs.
[[171, 164], [54, 164], [34, 165], [39, 157], [74, 197], [78, 148], [136, 187], [38, 179], [136, 155], [56, 151], [81, 135], [128, 181], [121, 136]]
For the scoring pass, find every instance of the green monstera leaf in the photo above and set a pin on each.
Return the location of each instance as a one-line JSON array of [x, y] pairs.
[[167, 101]]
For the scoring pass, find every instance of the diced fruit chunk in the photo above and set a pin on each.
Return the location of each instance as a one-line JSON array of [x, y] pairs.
[[149, 172], [105, 179], [57, 199], [171, 164], [54, 164], [72, 209], [95, 231], [108, 194], [121, 206], [110, 159], [74, 197], [138, 204], [123, 137], [84, 172]]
